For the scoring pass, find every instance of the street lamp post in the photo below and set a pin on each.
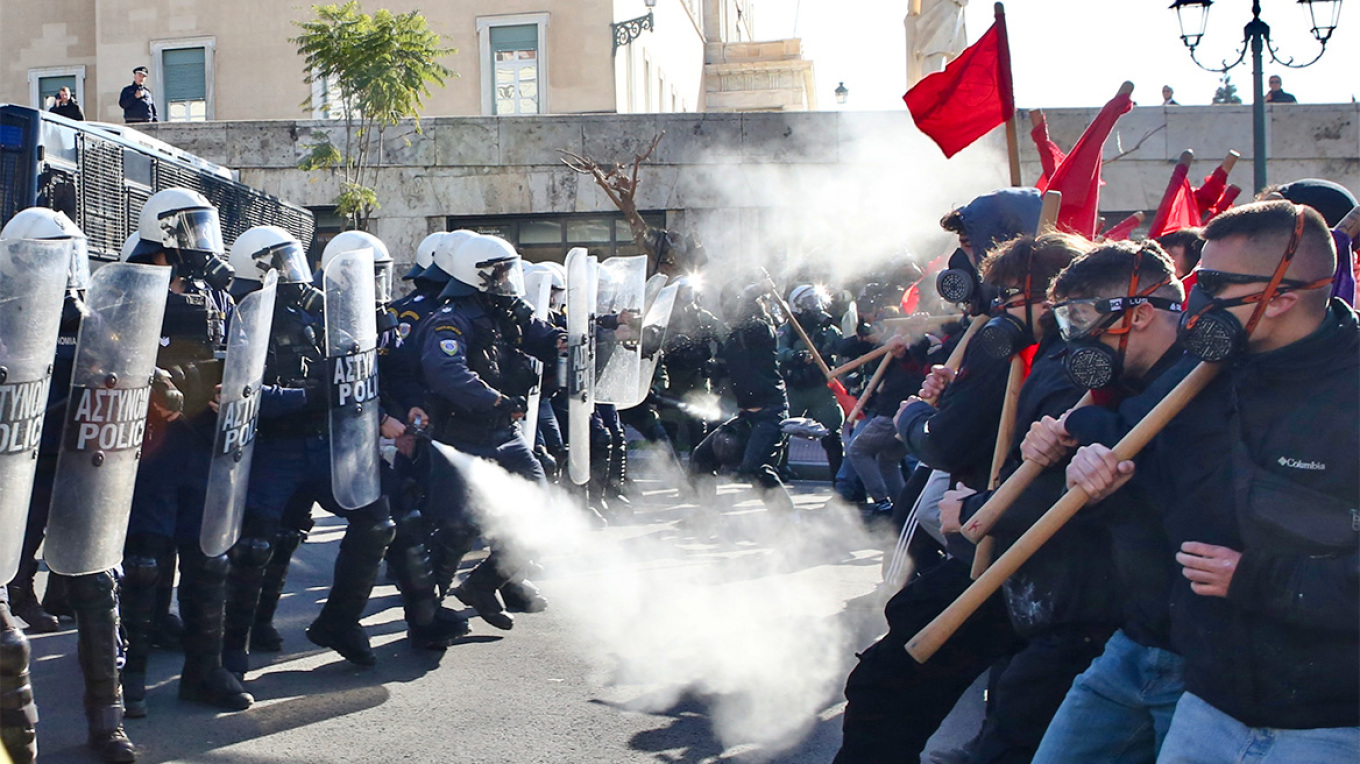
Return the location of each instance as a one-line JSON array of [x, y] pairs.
[[1194, 16]]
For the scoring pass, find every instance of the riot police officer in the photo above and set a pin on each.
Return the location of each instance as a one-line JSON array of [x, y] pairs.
[[180, 228], [92, 597], [808, 393], [475, 362]]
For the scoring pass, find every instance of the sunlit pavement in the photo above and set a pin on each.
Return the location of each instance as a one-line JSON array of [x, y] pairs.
[[670, 638]]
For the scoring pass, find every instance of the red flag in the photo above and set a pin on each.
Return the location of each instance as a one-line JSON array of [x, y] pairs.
[[1207, 195], [1178, 208], [1078, 177], [843, 396], [1050, 156], [1123, 229], [1224, 202], [910, 299], [970, 97]]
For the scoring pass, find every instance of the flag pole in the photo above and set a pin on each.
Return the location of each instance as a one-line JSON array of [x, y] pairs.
[[1012, 132]]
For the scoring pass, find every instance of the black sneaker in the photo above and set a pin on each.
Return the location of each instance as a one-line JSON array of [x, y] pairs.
[[487, 605], [348, 639]]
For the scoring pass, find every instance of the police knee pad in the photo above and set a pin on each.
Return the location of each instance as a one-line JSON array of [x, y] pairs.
[[92, 589], [371, 532], [410, 528], [251, 552], [140, 572], [215, 567], [287, 541]]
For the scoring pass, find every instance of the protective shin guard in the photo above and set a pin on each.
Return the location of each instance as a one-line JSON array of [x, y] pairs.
[[167, 628], [95, 604], [448, 545], [202, 597], [835, 453], [356, 570], [263, 635], [18, 714], [247, 558], [428, 626], [137, 605]]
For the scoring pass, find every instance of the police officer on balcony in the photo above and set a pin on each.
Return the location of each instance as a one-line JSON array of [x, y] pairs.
[[136, 99]]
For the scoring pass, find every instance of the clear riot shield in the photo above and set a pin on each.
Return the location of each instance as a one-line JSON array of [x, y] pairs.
[[581, 375], [653, 339], [654, 287], [623, 287], [352, 372], [850, 320], [32, 282], [238, 413], [101, 442], [537, 290]]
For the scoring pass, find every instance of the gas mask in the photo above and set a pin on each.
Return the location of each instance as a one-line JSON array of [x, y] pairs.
[[1209, 331], [302, 296], [1005, 335], [197, 263], [960, 284], [1089, 362]]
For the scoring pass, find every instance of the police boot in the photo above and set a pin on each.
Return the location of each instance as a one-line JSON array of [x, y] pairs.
[[597, 488], [55, 599], [202, 597], [478, 591], [18, 714], [264, 637], [137, 606], [428, 626], [24, 603], [356, 570], [521, 596], [95, 604], [447, 546], [616, 484], [167, 629], [248, 558]]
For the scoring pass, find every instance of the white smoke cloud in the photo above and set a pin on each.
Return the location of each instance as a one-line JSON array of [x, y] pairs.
[[736, 609]]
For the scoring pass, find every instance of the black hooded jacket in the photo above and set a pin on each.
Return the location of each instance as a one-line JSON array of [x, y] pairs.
[[1070, 581], [1264, 461]]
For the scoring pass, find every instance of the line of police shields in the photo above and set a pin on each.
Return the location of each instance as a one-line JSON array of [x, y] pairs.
[[106, 411]]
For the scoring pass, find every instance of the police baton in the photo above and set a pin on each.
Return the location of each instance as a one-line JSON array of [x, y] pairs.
[[929, 639]]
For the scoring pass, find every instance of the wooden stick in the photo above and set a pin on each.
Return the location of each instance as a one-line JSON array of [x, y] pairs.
[[981, 523], [874, 354], [1005, 433], [1350, 225], [955, 359], [1229, 161], [869, 388], [929, 639], [1013, 149], [1048, 214]]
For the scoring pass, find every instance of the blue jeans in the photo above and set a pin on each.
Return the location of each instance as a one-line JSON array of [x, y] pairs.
[[1119, 709], [1201, 734]]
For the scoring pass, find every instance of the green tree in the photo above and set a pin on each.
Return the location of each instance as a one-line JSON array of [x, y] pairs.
[[1227, 92], [379, 68]]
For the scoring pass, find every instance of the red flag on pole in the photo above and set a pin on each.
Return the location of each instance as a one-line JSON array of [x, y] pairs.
[[1078, 177], [1050, 156], [1178, 208], [971, 96]]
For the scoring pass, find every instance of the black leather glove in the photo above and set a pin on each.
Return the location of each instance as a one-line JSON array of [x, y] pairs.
[[164, 393], [513, 404]]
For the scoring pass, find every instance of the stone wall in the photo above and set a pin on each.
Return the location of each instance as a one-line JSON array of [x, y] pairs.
[[848, 185]]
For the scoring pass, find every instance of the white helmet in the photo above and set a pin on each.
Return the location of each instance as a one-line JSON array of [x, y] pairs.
[[179, 219], [47, 224], [424, 255], [442, 268], [809, 298], [486, 264], [269, 247], [382, 259]]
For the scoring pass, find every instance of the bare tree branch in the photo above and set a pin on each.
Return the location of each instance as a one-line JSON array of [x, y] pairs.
[[1136, 146]]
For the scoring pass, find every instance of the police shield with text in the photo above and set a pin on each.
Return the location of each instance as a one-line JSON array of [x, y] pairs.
[[179, 228], [33, 275], [475, 359]]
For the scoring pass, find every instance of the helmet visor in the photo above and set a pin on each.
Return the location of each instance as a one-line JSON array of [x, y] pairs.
[[502, 277], [289, 260], [382, 282], [197, 229], [78, 273]]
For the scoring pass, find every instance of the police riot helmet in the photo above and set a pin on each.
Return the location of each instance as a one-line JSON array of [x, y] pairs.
[[424, 255], [441, 269], [185, 225], [48, 224], [557, 299], [809, 298], [268, 247], [486, 264], [382, 260]]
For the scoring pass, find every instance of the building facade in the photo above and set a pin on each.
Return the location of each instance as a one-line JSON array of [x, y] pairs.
[[233, 61]]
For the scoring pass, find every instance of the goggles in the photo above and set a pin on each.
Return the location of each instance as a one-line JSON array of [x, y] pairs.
[[1086, 317]]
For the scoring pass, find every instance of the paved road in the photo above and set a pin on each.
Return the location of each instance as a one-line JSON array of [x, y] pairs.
[[668, 640]]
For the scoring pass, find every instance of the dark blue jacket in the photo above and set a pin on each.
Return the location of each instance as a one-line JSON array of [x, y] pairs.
[[137, 109]]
